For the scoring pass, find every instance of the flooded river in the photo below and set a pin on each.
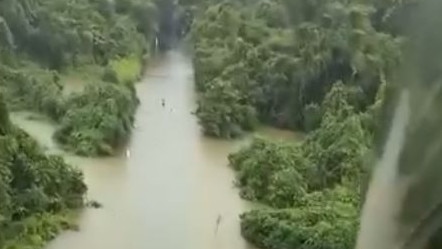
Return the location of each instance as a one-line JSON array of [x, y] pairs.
[[168, 189]]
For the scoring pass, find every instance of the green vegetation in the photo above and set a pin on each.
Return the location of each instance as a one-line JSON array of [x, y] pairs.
[[48, 48], [37, 192], [253, 62], [310, 186], [127, 69], [321, 67], [49, 45], [98, 120], [319, 222]]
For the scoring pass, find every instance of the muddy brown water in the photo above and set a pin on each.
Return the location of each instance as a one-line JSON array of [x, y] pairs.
[[167, 191]]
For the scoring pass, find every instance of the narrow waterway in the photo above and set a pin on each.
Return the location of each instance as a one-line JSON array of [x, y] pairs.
[[169, 190]]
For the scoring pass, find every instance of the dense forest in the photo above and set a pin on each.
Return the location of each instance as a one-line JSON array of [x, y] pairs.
[[37, 192], [48, 48], [320, 67]]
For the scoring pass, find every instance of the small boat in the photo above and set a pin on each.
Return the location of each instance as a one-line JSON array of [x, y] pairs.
[[127, 153]]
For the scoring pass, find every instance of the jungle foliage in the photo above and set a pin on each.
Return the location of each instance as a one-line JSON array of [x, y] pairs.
[[325, 220], [113, 107], [36, 191], [258, 61], [43, 43], [44, 40], [321, 67], [312, 187]]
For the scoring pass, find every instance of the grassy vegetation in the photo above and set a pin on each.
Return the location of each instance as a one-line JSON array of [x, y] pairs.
[[35, 231], [127, 69]]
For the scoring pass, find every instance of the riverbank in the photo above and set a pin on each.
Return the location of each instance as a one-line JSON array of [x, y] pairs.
[[96, 46], [174, 184], [39, 193], [99, 119], [92, 105], [37, 229]]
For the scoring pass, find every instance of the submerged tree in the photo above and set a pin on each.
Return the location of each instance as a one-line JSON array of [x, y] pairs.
[[35, 189]]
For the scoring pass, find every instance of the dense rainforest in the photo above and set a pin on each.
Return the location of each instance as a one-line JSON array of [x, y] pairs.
[[48, 48], [320, 67], [75, 63], [37, 192]]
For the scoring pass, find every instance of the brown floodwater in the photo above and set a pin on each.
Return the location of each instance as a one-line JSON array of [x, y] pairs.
[[167, 190]]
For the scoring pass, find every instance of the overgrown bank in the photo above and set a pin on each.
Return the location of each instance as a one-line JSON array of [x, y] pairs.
[[44, 47], [46, 42], [37, 192], [319, 67], [258, 62], [312, 188]]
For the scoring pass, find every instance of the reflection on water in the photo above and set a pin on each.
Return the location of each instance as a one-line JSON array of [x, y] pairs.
[[170, 191]]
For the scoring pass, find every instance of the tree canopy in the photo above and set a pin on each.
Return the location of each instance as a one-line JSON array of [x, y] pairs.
[[46, 43], [35, 189], [275, 65], [45, 47], [321, 67]]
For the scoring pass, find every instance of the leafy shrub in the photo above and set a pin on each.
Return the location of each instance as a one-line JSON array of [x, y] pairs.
[[336, 149], [223, 112], [35, 231], [312, 117], [35, 188], [127, 70], [291, 67], [271, 172], [109, 75], [311, 180], [327, 222], [98, 120], [278, 173], [33, 89]]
